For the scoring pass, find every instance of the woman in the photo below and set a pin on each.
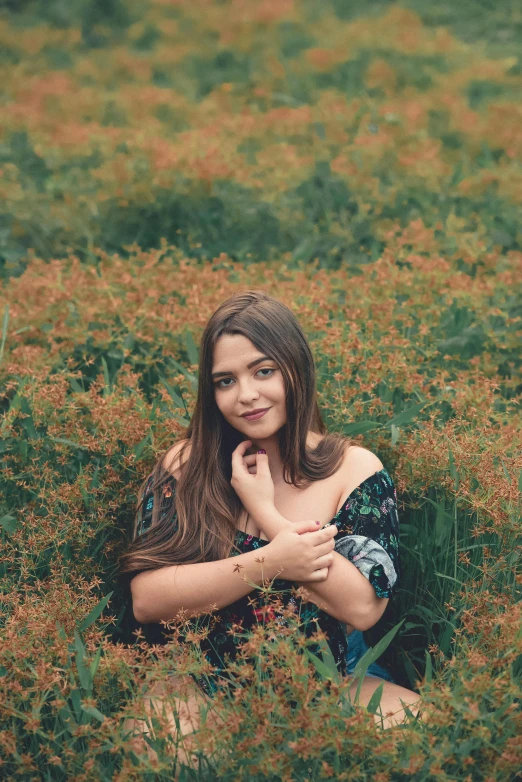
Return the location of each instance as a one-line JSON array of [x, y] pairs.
[[257, 470]]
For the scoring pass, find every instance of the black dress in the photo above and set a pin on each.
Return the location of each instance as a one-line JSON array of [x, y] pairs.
[[368, 533]]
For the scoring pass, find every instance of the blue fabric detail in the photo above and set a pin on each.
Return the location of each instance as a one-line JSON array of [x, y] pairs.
[[356, 648]]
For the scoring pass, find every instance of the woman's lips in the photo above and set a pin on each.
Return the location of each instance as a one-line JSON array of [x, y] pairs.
[[256, 416]]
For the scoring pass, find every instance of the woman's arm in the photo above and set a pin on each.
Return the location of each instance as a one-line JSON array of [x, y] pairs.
[[160, 595], [363, 609]]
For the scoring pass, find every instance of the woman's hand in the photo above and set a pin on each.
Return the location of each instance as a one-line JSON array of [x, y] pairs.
[[255, 489], [303, 554]]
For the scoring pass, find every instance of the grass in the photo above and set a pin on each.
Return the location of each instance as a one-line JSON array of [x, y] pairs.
[[360, 163]]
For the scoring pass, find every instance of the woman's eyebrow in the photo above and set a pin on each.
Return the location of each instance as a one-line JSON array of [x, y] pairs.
[[249, 366]]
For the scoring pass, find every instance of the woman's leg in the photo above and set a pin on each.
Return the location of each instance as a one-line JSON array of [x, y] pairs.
[[188, 708], [391, 707]]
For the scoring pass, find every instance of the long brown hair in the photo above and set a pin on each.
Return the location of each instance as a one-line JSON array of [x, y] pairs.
[[207, 508]]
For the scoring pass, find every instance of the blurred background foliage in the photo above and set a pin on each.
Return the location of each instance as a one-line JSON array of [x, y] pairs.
[[287, 128], [362, 163]]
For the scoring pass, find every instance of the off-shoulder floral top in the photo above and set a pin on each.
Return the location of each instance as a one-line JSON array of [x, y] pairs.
[[368, 537]]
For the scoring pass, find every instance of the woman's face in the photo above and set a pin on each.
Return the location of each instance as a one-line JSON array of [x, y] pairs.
[[241, 388]]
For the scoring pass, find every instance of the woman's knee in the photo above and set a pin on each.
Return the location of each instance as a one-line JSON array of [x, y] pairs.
[[395, 702], [174, 708]]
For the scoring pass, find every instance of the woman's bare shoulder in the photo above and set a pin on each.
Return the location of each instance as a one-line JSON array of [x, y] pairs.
[[359, 463], [172, 460], [355, 456]]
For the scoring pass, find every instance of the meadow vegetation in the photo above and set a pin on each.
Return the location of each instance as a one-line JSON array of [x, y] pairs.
[[361, 164]]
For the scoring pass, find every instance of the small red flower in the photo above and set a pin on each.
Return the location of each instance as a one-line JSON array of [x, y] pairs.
[[266, 611]]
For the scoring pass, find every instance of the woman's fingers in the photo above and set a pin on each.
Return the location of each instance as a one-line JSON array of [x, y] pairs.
[[250, 463], [319, 575], [324, 548], [326, 533], [238, 465], [324, 561], [240, 450], [324, 540]]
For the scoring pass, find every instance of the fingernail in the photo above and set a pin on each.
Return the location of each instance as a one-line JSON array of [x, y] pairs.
[[261, 450]]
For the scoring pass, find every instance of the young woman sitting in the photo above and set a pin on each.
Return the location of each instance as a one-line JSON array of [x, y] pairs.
[[257, 472]]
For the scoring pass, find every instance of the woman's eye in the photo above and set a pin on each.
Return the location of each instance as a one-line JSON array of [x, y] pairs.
[[264, 369]]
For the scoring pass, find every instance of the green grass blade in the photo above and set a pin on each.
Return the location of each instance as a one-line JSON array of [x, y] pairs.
[[429, 667], [320, 666], [407, 416], [106, 376], [375, 701], [9, 523], [4, 331], [83, 671], [92, 711], [360, 427], [192, 350], [95, 613], [372, 655]]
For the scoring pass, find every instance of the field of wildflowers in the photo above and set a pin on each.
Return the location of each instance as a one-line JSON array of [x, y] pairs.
[[362, 163]]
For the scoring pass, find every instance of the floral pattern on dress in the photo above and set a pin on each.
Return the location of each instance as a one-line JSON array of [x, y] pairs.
[[368, 536]]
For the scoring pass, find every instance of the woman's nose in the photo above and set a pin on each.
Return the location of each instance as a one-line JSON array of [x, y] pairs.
[[247, 393]]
